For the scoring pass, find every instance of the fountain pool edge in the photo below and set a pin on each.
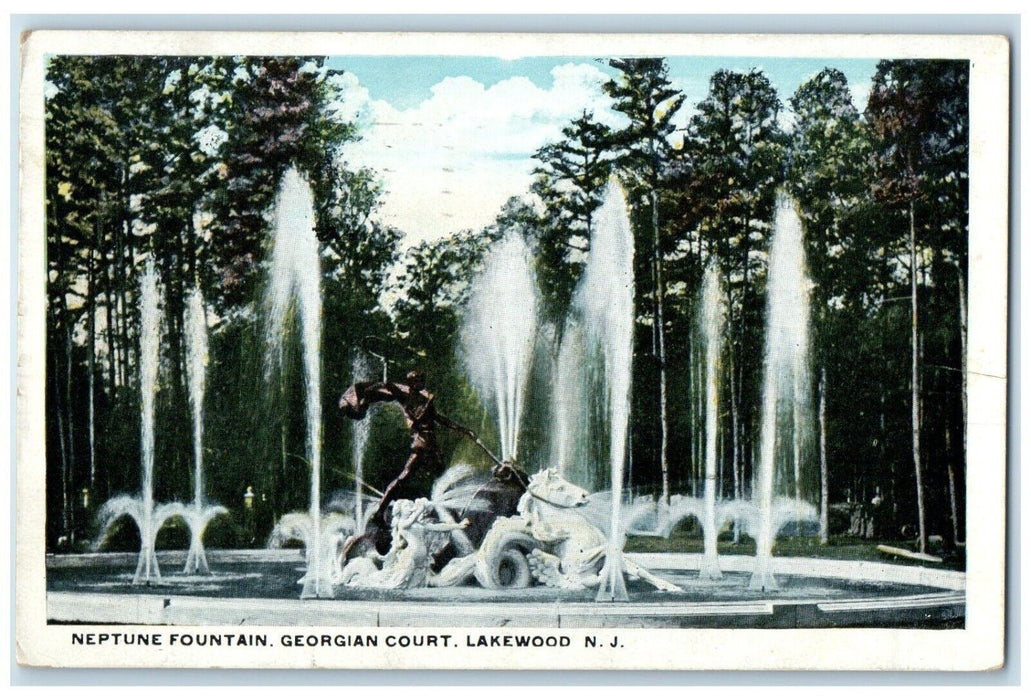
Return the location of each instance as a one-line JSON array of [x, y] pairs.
[[943, 607]]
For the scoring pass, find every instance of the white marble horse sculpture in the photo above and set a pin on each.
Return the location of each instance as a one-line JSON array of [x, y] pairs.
[[563, 549]]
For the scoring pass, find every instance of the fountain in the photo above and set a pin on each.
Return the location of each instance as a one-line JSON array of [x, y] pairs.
[[579, 430], [198, 515], [141, 509], [785, 391], [150, 338], [334, 527], [713, 320], [785, 411], [360, 441], [578, 557], [498, 336], [604, 300], [295, 283], [150, 518], [569, 426]]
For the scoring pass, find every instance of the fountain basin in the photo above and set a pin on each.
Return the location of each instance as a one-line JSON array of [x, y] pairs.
[[262, 586]]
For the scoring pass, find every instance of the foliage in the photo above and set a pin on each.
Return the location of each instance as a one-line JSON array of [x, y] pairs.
[[180, 158]]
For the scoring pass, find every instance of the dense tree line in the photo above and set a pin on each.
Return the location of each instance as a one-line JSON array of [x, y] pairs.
[[179, 158]]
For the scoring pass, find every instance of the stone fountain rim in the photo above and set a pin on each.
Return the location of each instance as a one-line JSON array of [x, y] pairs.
[[816, 567], [948, 602]]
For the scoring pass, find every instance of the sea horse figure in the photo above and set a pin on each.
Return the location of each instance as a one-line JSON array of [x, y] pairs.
[[548, 539]]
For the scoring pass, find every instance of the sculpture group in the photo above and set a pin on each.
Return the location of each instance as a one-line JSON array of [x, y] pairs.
[[508, 531], [546, 541]]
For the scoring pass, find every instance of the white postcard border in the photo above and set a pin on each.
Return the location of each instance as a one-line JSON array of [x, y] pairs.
[[977, 647]]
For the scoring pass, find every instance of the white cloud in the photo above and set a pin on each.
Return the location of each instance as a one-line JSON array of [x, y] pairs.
[[353, 103], [451, 162]]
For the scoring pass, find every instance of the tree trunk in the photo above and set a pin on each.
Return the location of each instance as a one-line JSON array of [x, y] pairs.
[[953, 509], [125, 277], [69, 412], [112, 352], [963, 348], [691, 414], [58, 411], [121, 306], [58, 303], [824, 486], [744, 424], [735, 446], [915, 382], [963, 369], [91, 342], [661, 339], [132, 318]]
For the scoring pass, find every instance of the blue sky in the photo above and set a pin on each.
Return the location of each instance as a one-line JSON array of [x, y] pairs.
[[452, 137], [405, 81]]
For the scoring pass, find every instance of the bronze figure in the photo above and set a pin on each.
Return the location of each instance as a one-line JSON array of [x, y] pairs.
[[421, 417]]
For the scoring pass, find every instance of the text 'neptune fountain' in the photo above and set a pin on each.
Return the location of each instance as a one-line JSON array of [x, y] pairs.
[[295, 283]]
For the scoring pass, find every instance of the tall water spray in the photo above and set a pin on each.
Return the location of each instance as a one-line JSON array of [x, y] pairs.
[[196, 365], [713, 321], [604, 300], [570, 438], [150, 338], [786, 380], [498, 335], [359, 371], [198, 515], [295, 282]]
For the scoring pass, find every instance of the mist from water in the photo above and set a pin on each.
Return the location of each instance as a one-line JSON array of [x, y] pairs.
[[604, 302], [498, 333], [150, 340], [786, 377], [713, 323], [574, 435], [196, 367], [360, 370], [294, 284]]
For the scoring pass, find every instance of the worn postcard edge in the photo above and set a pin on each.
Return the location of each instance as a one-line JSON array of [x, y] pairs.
[[979, 646]]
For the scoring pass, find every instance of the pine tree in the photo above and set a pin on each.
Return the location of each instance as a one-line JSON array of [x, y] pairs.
[[644, 93], [828, 175], [734, 154]]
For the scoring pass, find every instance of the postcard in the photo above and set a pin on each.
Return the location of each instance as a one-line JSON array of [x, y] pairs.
[[512, 351]]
